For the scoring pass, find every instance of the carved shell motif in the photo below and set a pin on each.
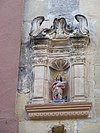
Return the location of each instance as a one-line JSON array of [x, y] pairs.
[[59, 65]]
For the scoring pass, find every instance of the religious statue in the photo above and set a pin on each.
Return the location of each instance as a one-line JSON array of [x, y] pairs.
[[57, 88]]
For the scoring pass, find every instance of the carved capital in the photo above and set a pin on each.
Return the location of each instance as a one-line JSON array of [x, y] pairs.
[[78, 60], [79, 41], [40, 61]]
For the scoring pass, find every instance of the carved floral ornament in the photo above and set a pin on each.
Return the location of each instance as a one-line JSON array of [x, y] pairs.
[[60, 28]]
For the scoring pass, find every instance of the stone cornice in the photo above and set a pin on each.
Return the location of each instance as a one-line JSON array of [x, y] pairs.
[[71, 110], [80, 41], [73, 41]]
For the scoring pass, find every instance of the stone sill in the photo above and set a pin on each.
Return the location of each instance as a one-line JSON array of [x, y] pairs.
[[70, 110]]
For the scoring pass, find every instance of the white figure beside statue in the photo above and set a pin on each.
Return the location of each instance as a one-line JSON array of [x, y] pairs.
[[57, 88]]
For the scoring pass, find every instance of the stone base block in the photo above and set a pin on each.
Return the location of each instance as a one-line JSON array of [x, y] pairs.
[[71, 110]]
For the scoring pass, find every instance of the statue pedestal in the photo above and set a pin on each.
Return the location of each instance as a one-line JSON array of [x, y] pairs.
[[57, 101]]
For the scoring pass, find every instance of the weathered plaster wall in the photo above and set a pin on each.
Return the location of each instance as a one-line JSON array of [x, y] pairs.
[[90, 9], [10, 34], [32, 9]]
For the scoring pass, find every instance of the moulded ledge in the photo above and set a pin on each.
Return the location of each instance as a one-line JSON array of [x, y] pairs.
[[52, 111], [80, 41]]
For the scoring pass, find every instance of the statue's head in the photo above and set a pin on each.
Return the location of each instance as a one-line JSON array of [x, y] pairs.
[[59, 78]]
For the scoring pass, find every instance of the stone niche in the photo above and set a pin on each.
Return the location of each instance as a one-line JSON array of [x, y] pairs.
[[59, 67]]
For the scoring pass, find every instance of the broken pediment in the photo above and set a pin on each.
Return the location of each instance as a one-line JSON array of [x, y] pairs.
[[60, 28]]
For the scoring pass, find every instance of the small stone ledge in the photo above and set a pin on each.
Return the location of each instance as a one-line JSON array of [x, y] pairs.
[[70, 110]]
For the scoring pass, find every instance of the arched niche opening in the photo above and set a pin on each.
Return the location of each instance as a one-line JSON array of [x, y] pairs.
[[59, 81]]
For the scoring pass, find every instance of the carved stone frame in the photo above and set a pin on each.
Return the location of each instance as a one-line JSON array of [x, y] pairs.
[[59, 43]]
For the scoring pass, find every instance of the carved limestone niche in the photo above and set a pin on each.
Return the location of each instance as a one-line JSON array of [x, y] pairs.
[[59, 69], [59, 66]]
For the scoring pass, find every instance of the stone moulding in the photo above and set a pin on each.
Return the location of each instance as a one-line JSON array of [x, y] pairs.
[[71, 110], [79, 41]]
